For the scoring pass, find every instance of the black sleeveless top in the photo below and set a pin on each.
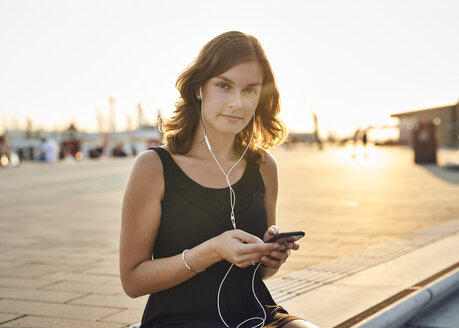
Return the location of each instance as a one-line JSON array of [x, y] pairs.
[[192, 214]]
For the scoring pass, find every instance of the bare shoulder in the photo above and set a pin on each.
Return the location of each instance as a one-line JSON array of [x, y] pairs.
[[147, 163], [268, 167], [147, 159], [268, 170], [147, 173]]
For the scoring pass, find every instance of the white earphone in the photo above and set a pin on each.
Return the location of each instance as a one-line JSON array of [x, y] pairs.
[[233, 219]]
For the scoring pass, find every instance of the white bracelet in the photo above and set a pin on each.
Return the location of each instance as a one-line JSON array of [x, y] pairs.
[[186, 264]]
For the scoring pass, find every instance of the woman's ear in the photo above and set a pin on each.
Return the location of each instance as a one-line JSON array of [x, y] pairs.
[[199, 92]]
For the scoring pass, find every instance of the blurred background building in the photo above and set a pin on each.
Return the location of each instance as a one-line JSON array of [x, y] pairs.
[[444, 119]]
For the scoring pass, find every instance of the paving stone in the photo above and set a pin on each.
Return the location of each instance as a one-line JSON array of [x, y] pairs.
[[29, 271], [5, 317], [80, 277], [49, 322], [113, 280], [104, 269], [5, 265], [120, 301], [23, 282], [85, 287], [128, 317], [37, 295], [56, 310]]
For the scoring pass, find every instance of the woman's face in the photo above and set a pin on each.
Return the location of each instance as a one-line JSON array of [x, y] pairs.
[[230, 99]]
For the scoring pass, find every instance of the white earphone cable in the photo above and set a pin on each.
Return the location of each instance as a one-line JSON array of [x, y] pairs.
[[233, 221]]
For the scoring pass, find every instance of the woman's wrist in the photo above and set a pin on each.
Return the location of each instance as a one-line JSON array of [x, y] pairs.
[[213, 248], [186, 263], [202, 256]]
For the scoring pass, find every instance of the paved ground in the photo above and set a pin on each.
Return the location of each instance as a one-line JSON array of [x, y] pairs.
[[59, 225]]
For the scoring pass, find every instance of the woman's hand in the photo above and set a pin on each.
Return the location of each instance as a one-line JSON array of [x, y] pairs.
[[241, 248], [278, 256]]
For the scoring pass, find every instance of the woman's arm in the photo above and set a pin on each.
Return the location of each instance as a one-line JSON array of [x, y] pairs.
[[140, 219], [273, 261]]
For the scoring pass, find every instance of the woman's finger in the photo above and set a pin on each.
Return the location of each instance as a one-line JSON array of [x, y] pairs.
[[248, 261], [271, 232], [292, 245], [279, 255], [271, 262], [257, 250], [246, 237]]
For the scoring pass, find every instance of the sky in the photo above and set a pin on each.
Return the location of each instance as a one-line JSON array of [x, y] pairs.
[[351, 62]]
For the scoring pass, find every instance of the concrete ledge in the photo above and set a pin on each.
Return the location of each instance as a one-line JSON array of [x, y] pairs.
[[399, 313]]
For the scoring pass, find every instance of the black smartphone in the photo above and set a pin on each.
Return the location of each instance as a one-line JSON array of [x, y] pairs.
[[287, 236]]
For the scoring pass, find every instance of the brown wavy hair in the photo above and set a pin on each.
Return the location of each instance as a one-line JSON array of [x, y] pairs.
[[216, 57]]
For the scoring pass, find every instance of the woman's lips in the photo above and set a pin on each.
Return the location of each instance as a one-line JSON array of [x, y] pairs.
[[232, 118]]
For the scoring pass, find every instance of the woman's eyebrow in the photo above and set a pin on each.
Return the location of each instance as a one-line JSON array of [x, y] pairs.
[[231, 82]]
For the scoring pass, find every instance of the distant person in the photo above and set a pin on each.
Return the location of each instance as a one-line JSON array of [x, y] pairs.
[[49, 150], [316, 131], [196, 211], [355, 139], [5, 151], [4, 146], [118, 151], [364, 142], [96, 152]]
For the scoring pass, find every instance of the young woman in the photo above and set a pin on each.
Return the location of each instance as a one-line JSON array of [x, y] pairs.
[[196, 211]]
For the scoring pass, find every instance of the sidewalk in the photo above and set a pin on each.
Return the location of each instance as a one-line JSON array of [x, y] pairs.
[[59, 230], [375, 288]]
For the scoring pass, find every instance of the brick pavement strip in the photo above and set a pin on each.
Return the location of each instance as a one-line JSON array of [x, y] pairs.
[[56, 310]]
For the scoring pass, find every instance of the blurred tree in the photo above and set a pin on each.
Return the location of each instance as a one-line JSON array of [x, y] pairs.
[[100, 120], [159, 121], [111, 102], [29, 128], [140, 116]]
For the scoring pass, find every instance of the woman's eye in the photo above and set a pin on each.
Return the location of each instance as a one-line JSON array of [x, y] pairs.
[[252, 92], [223, 85]]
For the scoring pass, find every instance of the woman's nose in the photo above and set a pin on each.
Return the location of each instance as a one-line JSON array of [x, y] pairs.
[[235, 100]]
